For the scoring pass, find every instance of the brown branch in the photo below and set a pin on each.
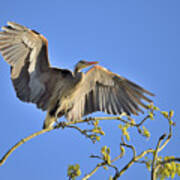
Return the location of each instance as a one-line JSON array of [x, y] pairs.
[[119, 156], [60, 125], [155, 153], [87, 176], [168, 138], [119, 173], [134, 159], [160, 148], [104, 163], [83, 132], [170, 160], [142, 122], [131, 162], [141, 155], [22, 141]]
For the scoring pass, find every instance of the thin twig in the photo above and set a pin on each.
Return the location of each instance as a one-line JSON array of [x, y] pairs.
[[155, 153], [130, 147], [142, 122], [22, 141], [119, 156], [160, 148], [169, 136], [60, 125], [87, 176], [170, 160], [131, 162], [84, 132], [119, 173]]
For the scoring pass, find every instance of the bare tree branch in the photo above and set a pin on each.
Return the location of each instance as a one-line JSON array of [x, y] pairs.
[[155, 153], [87, 176], [177, 159], [60, 125], [22, 141]]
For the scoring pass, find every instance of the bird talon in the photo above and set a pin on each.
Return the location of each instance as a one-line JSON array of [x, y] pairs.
[[61, 124]]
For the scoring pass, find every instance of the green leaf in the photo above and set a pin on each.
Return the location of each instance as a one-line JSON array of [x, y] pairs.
[[74, 171], [124, 131], [108, 158], [150, 106], [96, 123], [103, 150], [148, 165], [126, 126], [98, 138], [132, 121], [151, 115], [166, 173], [108, 150], [146, 133], [171, 113], [95, 130], [126, 134], [171, 122], [156, 108], [173, 166], [166, 158], [168, 166], [173, 175], [78, 172], [76, 167], [102, 133], [165, 114], [122, 149], [120, 126], [178, 169]]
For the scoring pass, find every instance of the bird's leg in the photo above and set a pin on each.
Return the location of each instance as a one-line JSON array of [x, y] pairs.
[[61, 124], [49, 121], [52, 115]]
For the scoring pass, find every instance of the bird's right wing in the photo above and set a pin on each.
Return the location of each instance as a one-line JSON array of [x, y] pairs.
[[102, 90]]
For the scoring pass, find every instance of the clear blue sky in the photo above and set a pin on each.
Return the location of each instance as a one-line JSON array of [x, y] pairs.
[[137, 39]]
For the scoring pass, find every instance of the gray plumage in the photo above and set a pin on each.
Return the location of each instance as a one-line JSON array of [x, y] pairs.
[[60, 91]]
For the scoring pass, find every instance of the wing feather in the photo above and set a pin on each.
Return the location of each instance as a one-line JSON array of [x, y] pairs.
[[115, 103], [26, 51], [111, 104], [105, 91]]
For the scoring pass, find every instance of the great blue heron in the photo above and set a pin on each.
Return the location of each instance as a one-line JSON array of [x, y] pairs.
[[60, 91]]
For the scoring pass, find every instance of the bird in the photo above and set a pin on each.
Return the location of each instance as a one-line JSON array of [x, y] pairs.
[[61, 92]]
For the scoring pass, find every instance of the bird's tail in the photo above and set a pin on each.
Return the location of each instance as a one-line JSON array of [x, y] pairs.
[[49, 121]]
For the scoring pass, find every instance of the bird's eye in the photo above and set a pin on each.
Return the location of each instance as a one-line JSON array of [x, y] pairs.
[[82, 61]]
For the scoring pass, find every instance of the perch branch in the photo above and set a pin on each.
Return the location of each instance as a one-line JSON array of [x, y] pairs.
[[155, 153], [87, 176], [60, 125], [22, 141]]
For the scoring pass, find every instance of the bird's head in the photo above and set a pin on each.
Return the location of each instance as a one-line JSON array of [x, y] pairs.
[[83, 64]]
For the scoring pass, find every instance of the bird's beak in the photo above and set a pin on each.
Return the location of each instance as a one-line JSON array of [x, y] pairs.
[[92, 62]]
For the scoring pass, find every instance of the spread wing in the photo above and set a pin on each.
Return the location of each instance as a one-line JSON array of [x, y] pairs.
[[26, 52], [102, 90]]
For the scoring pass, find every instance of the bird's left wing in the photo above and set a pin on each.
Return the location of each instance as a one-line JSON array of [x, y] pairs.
[[25, 50], [102, 90]]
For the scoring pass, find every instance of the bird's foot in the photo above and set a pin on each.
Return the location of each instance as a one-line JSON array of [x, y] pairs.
[[61, 124]]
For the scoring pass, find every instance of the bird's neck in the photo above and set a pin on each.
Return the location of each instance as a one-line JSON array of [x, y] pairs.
[[78, 76], [77, 71]]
